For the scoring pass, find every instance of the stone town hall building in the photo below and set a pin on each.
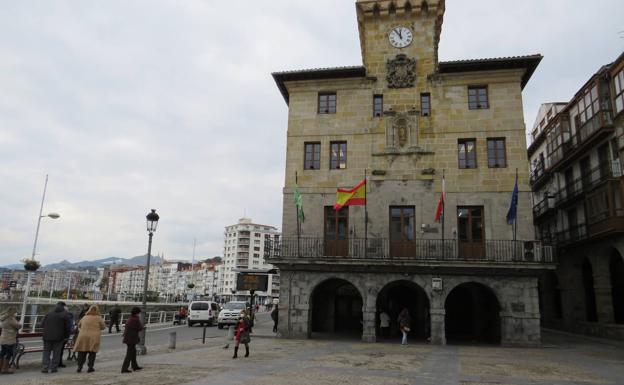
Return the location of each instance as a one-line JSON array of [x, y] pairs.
[[403, 118]]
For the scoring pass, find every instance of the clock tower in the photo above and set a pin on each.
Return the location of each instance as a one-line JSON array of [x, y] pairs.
[[399, 40]]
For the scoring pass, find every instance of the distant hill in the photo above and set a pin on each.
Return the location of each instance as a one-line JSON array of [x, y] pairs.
[[66, 265]]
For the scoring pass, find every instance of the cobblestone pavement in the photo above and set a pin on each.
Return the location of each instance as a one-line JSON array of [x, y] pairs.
[[563, 360]]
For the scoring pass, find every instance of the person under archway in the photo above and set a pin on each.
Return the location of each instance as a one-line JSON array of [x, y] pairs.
[[404, 324]]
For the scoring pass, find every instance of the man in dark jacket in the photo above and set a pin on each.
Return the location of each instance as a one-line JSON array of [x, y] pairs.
[[114, 318], [275, 318], [55, 332], [131, 338]]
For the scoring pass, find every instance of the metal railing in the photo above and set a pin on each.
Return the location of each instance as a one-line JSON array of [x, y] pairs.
[[33, 322], [419, 249], [572, 234], [588, 181]]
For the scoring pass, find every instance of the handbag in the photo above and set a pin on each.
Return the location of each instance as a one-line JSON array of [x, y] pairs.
[[244, 337]]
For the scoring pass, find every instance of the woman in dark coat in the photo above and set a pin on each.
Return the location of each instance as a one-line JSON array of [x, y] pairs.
[[131, 339]]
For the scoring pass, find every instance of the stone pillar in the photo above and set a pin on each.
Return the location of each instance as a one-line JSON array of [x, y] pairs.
[[602, 288], [368, 327], [438, 334]]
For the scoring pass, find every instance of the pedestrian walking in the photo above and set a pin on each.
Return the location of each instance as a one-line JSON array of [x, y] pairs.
[[55, 332], [8, 339], [404, 324], [275, 318], [384, 324], [131, 339], [114, 315], [242, 337], [88, 342]]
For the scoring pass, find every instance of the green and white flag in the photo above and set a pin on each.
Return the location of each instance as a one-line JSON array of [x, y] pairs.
[[299, 204]]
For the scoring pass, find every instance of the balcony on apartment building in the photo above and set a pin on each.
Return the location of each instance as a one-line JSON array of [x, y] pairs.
[[590, 180], [538, 174], [421, 251], [544, 207], [566, 147]]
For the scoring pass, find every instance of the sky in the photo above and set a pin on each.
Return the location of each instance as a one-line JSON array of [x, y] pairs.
[[135, 105]]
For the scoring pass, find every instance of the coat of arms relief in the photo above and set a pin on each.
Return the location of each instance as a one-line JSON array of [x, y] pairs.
[[401, 72]]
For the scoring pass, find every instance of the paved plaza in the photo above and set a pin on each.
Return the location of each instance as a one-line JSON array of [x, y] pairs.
[[563, 359]]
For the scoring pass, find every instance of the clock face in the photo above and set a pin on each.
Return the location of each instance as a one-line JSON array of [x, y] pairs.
[[400, 37]]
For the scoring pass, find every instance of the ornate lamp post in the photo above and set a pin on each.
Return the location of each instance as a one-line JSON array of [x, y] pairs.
[[152, 222], [31, 265]]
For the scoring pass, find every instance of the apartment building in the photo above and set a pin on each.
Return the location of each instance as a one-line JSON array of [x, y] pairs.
[[244, 248], [576, 176]]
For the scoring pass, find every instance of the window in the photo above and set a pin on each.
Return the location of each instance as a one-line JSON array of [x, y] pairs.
[[327, 103], [425, 104], [588, 105], [312, 156], [496, 152], [377, 105], [256, 255], [256, 249], [467, 153], [618, 81], [338, 155], [478, 97]]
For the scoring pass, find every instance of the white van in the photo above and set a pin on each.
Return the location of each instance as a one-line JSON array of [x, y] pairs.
[[203, 312]]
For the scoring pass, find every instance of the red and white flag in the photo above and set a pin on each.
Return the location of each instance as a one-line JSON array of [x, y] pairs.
[[440, 209]]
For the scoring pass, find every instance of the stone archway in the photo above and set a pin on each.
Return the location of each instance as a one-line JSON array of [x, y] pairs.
[[472, 314], [616, 270], [335, 310], [401, 294], [591, 311]]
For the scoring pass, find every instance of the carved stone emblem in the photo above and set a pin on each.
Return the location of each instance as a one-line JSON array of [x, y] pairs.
[[401, 72]]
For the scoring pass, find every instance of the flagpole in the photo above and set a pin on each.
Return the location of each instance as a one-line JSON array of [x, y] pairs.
[[298, 223], [443, 215], [515, 225], [365, 215]]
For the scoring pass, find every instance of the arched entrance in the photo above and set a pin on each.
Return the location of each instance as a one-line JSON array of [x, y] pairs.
[[550, 304], [404, 294], [472, 314], [591, 313], [616, 268], [336, 309]]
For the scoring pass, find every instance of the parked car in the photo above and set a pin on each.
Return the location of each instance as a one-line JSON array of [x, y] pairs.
[[202, 312], [230, 313]]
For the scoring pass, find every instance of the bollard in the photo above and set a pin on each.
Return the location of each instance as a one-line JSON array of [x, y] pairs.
[[230, 333], [172, 340], [204, 336]]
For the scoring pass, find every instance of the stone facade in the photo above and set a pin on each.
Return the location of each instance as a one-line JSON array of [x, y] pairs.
[[404, 152]]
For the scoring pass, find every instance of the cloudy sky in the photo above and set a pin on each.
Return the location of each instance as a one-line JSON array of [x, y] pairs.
[[133, 105]]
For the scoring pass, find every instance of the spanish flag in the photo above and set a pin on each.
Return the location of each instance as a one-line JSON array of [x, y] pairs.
[[352, 197]]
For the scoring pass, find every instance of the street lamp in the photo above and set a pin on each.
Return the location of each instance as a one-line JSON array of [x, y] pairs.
[[152, 222], [30, 272]]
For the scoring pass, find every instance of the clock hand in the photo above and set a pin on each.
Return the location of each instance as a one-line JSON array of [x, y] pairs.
[[398, 30]]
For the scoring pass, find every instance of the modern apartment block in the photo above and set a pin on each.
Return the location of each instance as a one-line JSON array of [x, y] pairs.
[[244, 248], [404, 118], [578, 191]]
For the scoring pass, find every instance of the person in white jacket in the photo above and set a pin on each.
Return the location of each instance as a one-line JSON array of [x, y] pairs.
[[8, 339]]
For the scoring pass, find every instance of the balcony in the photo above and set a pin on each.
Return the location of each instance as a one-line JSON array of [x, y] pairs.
[[571, 235], [545, 206], [587, 134], [604, 208], [538, 175], [425, 250]]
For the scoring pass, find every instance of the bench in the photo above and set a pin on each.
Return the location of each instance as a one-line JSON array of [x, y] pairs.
[[20, 349]]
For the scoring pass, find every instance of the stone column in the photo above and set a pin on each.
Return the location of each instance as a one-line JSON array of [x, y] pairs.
[[438, 334], [368, 332]]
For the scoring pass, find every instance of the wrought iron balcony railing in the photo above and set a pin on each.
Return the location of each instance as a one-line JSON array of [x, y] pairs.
[[420, 249]]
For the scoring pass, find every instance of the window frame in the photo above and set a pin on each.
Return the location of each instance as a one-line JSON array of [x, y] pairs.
[[464, 142], [337, 160], [327, 108], [618, 82], [479, 104], [425, 111], [377, 113], [316, 156], [495, 150]]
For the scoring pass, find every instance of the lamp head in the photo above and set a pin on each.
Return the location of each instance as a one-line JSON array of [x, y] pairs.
[[152, 221], [54, 215]]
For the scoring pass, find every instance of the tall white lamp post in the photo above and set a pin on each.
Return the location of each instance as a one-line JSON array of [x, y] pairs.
[[34, 252]]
